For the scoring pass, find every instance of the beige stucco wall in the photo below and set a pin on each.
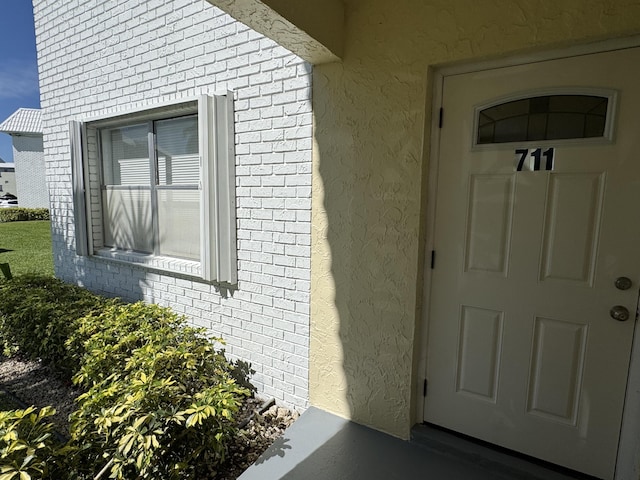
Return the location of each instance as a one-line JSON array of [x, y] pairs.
[[370, 168]]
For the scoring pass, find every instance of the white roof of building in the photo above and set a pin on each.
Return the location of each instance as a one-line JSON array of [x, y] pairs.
[[24, 121], [7, 166]]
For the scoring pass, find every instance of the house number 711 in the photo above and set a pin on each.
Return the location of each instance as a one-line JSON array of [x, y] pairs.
[[536, 156]]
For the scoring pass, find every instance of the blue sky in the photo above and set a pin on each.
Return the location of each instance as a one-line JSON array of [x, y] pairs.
[[18, 66]]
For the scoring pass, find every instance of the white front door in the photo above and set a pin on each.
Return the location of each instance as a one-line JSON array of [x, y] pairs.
[[538, 192]]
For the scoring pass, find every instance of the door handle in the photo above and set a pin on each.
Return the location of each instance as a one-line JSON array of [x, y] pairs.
[[623, 283], [619, 313]]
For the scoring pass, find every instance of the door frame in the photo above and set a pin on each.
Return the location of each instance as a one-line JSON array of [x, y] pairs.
[[628, 460]]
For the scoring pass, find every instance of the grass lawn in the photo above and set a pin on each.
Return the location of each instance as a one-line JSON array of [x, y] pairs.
[[26, 247]]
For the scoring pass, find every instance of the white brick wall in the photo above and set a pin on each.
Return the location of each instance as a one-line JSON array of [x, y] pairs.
[[28, 156], [97, 58]]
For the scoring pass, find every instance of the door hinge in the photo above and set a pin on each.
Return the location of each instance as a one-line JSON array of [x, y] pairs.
[[433, 259], [424, 388], [440, 117]]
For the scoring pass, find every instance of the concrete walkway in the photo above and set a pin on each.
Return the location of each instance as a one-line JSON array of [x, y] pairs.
[[322, 446]]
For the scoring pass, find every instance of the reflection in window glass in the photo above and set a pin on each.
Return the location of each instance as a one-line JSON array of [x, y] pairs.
[[549, 117], [125, 154], [178, 160]]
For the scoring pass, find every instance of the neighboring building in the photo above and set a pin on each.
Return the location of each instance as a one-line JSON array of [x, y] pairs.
[[7, 179], [473, 261], [25, 128], [225, 241]]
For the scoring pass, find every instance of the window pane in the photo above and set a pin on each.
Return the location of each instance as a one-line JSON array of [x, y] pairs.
[[125, 156], [510, 129], [179, 223], [177, 143], [593, 125], [537, 129], [566, 125], [508, 110], [575, 103], [127, 219], [547, 117], [486, 133]]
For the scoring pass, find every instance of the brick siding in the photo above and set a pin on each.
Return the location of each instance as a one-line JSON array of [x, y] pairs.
[[97, 58]]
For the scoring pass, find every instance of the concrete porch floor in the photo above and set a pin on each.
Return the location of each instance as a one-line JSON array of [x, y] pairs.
[[322, 446]]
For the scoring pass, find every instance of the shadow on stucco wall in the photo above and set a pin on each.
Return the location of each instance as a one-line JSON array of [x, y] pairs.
[[367, 243]]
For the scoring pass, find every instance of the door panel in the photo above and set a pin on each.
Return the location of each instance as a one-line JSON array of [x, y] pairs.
[[479, 352], [522, 349], [574, 206], [556, 369], [489, 223]]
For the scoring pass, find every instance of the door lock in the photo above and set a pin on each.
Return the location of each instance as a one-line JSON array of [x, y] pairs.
[[623, 283], [619, 313]]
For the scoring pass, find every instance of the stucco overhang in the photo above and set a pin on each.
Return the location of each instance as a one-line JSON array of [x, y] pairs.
[[313, 29]]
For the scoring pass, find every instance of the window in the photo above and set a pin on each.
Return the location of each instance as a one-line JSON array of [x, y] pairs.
[[544, 117], [157, 187], [151, 174]]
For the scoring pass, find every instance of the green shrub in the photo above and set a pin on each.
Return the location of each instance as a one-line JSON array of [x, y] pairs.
[[19, 214], [39, 313], [27, 445], [160, 399]]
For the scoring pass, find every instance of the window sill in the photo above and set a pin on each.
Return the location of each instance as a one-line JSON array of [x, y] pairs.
[[163, 264]]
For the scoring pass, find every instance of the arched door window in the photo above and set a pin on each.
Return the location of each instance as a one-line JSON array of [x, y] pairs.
[[544, 117]]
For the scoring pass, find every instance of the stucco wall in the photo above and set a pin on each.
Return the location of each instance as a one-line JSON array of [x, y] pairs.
[[370, 165], [100, 58], [28, 156]]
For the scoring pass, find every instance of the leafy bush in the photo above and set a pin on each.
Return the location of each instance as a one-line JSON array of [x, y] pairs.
[[39, 313], [27, 445], [19, 214], [160, 400]]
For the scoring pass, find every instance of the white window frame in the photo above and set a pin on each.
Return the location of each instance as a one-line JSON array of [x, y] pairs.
[[218, 252]]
